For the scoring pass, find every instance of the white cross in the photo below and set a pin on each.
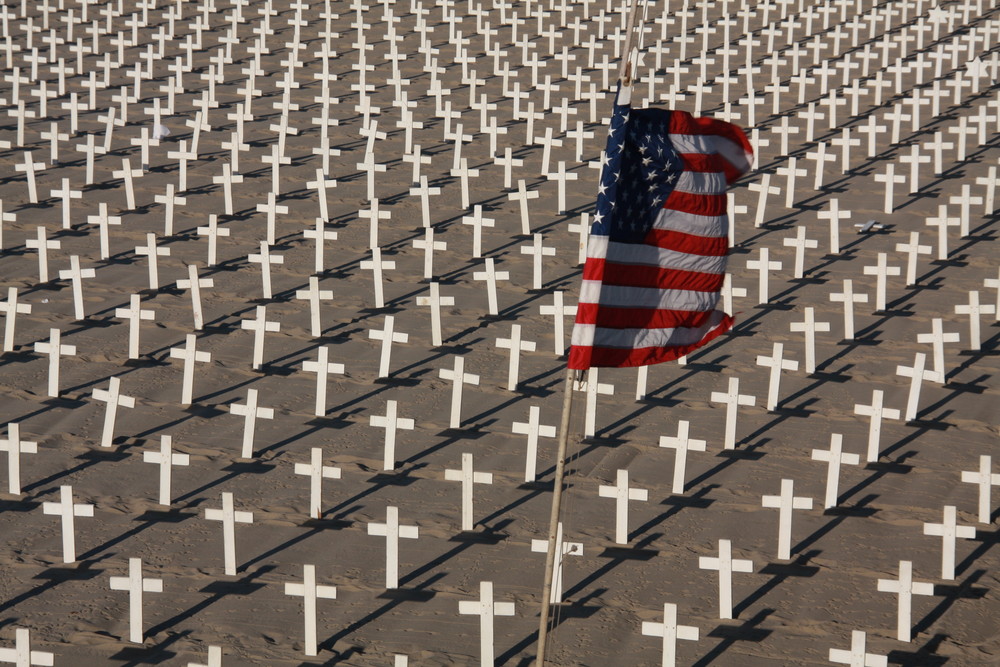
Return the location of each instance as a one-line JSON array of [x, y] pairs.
[[259, 325], [14, 447], [213, 232], [763, 266], [558, 311], [800, 243], [726, 565], [468, 477], [733, 399], [942, 221], [974, 310], [764, 188], [810, 326], [785, 503], [990, 181], [834, 215], [265, 259], [486, 609], [905, 588], [964, 201], [982, 478], [229, 518], [11, 308], [22, 655], [214, 658], [912, 249], [429, 245], [250, 411], [819, 156], [376, 266], [522, 196], [55, 349], [134, 314], [464, 174], [320, 185], [835, 457], [67, 194], [917, 373], [273, 209], [392, 531], [374, 214], [194, 283], [388, 336], [319, 236], [777, 364], [490, 275], [937, 338], [915, 159], [622, 493], [166, 459], [537, 252], [949, 531], [561, 176], [877, 413], [425, 192], [459, 378], [136, 585], [169, 200], [152, 251], [592, 387], [683, 444], [226, 180], [390, 422], [322, 367], [316, 472], [856, 656], [103, 222], [309, 591], [562, 549], [75, 275], [67, 512], [881, 270], [477, 221], [29, 168], [670, 631], [516, 346], [114, 399], [534, 429], [890, 178], [190, 355], [42, 245], [994, 283]]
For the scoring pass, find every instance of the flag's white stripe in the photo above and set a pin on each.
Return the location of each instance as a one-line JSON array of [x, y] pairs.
[[702, 183], [618, 296], [712, 143], [646, 255], [698, 225], [590, 335]]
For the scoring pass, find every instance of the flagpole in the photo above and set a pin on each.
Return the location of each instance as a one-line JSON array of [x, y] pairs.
[[625, 79]]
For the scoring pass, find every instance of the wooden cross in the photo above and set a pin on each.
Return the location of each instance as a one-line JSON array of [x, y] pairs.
[[316, 472], [265, 259], [725, 564], [322, 367], [785, 503], [11, 308], [974, 310], [942, 221], [856, 656], [890, 178], [67, 512], [309, 591], [92, 150], [915, 159], [390, 422], [152, 251], [55, 349], [670, 631], [250, 412], [835, 457], [425, 192], [477, 222], [490, 275], [538, 252], [592, 387], [777, 364], [561, 177], [464, 174], [877, 413], [388, 336], [983, 478], [905, 588], [516, 346], [259, 325], [881, 270], [75, 275], [912, 249], [937, 338], [190, 355], [791, 173], [522, 196], [42, 245], [134, 314], [486, 609], [534, 429], [136, 585], [374, 215], [459, 378], [810, 326], [763, 266], [103, 222], [227, 179], [67, 195], [15, 446], [800, 243], [166, 458], [468, 477], [429, 245], [273, 210], [392, 531], [229, 517], [558, 311], [314, 295], [562, 549], [213, 232], [22, 655], [376, 266], [622, 493], [949, 531], [194, 283], [765, 188], [115, 399], [820, 156], [834, 215], [733, 399], [683, 444]]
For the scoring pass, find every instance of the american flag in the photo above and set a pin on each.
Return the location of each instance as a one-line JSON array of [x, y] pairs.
[[656, 258]]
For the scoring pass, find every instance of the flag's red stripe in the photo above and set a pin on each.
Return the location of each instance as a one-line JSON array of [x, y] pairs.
[[684, 123], [633, 275], [687, 202], [669, 239], [639, 318], [590, 357]]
